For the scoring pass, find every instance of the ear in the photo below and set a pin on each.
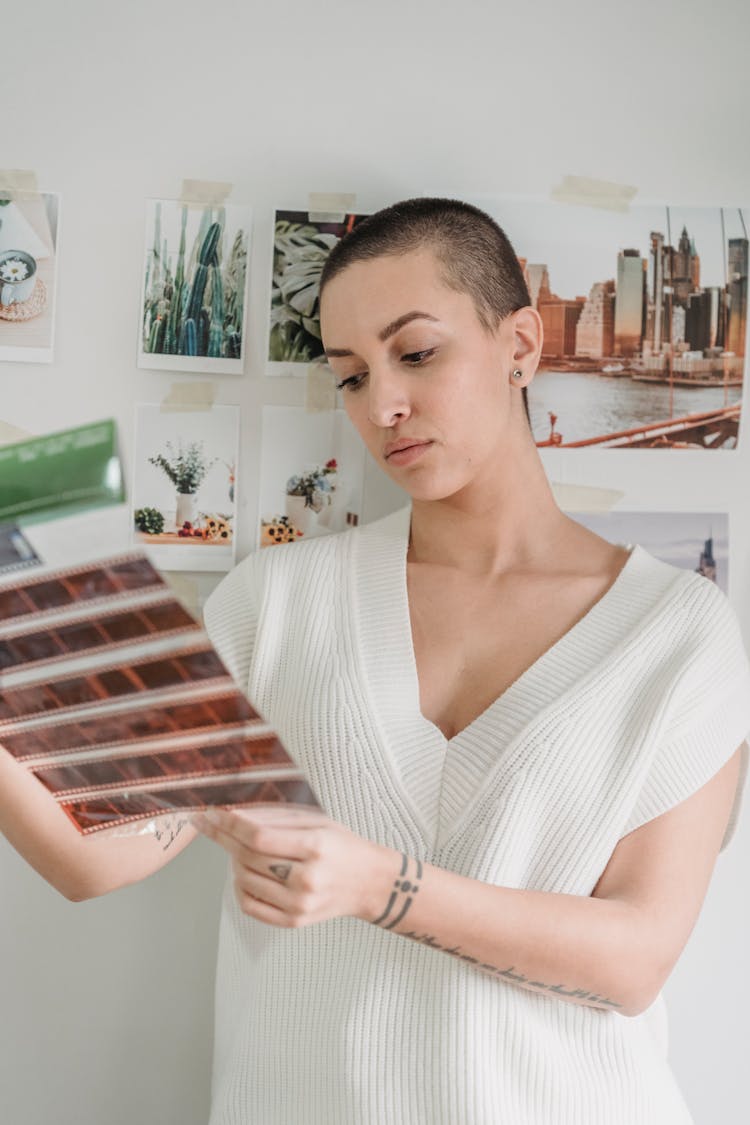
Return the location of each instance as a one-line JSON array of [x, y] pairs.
[[528, 337]]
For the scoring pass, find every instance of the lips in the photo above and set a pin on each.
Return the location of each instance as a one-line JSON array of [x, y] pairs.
[[403, 443]]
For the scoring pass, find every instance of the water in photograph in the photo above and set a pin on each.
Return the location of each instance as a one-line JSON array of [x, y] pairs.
[[588, 404]]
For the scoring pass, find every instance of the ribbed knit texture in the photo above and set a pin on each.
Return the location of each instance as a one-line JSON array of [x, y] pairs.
[[631, 711]]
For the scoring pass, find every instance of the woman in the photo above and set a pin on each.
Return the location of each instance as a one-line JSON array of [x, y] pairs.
[[526, 742]]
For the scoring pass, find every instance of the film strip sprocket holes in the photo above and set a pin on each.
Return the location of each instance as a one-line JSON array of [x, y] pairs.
[[204, 760], [175, 671], [94, 813], [88, 636], [130, 727], [93, 583]]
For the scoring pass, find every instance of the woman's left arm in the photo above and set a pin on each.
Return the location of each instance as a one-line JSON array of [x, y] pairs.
[[612, 950]]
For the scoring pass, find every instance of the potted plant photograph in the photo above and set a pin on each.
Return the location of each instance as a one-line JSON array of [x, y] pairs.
[[184, 486], [193, 298], [310, 494], [186, 469]]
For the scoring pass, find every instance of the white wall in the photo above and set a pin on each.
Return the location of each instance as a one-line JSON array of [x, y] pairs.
[[105, 1006]]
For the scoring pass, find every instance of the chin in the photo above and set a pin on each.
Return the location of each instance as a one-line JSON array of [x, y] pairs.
[[425, 487]]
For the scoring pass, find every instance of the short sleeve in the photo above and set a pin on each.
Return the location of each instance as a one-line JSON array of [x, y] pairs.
[[230, 617], [711, 715]]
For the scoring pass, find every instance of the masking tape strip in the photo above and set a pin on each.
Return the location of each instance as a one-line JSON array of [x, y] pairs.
[[594, 193], [205, 193], [584, 497], [10, 433], [189, 396], [18, 183], [321, 388], [330, 207]]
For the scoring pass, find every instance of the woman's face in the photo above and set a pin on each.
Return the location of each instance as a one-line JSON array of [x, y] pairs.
[[415, 363]]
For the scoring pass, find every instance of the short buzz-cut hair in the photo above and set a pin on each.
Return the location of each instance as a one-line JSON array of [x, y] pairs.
[[474, 253]]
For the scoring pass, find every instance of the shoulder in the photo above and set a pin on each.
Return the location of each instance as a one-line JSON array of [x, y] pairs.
[[690, 599], [700, 636]]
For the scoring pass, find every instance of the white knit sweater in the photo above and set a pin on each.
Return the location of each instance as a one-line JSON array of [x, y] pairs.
[[631, 711]]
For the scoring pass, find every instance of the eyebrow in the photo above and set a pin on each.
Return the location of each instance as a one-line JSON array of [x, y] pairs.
[[389, 330]]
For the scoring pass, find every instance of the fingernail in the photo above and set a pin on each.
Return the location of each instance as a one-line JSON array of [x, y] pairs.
[[212, 816]]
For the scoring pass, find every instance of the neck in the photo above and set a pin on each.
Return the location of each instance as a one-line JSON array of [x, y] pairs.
[[505, 518]]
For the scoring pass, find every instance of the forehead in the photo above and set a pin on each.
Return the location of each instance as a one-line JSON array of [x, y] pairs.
[[369, 294]]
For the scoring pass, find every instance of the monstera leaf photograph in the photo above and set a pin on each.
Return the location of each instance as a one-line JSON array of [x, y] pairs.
[[300, 250]]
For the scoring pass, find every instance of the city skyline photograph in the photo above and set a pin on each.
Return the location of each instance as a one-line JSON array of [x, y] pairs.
[[644, 315]]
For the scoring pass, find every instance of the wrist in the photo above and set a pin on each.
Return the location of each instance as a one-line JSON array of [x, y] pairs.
[[393, 880], [381, 869]]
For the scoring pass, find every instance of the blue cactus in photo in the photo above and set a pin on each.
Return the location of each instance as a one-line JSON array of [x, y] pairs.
[[188, 338]]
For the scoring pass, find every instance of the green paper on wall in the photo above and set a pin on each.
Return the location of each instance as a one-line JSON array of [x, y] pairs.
[[61, 473]]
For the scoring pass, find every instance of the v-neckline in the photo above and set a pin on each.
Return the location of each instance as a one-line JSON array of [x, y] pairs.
[[416, 753], [512, 689]]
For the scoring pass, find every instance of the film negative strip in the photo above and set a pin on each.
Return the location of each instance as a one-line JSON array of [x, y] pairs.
[[161, 729], [91, 814], [133, 726], [203, 760], [179, 670], [103, 632], [93, 583]]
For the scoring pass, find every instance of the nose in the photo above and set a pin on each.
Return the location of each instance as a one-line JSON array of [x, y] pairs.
[[387, 399]]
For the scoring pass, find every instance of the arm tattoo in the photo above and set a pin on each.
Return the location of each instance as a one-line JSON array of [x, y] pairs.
[[170, 831], [405, 887], [512, 974], [401, 898]]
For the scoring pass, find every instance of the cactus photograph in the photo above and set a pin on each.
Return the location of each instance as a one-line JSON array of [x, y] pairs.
[[193, 298], [300, 250]]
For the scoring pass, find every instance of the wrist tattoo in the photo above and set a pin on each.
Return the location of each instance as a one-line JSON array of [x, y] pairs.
[[402, 893]]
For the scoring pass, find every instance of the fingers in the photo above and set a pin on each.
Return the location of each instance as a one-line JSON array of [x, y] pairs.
[[300, 815], [231, 829]]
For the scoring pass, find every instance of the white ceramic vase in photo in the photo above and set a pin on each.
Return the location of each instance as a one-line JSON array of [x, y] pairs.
[[298, 513], [185, 508], [17, 277], [324, 515]]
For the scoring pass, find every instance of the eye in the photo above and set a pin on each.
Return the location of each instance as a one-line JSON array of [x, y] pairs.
[[353, 383], [415, 358]]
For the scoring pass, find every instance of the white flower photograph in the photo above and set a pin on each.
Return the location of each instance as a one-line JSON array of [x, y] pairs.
[[28, 276], [184, 501]]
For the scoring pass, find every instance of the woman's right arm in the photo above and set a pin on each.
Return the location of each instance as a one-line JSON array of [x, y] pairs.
[[79, 867]]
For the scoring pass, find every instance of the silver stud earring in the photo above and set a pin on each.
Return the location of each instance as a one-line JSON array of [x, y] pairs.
[[518, 374]]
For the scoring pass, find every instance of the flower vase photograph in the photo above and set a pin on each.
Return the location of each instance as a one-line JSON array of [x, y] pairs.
[[184, 504], [312, 474], [310, 497]]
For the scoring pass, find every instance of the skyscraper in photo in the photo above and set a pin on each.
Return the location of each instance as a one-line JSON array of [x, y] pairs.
[[655, 294], [537, 280], [630, 303], [737, 295], [595, 335]]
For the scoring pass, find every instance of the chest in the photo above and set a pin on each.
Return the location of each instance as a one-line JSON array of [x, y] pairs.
[[473, 639]]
